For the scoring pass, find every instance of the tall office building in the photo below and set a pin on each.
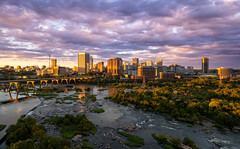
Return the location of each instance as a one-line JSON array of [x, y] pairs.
[[205, 65], [159, 62], [115, 66], [110, 66], [135, 63], [83, 63], [53, 63], [91, 62], [100, 66]]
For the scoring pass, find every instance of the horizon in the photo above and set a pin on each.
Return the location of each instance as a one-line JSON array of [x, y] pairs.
[[179, 32]]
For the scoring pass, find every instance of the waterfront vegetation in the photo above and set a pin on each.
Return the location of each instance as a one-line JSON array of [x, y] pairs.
[[28, 134], [2, 127], [123, 85], [174, 143], [71, 126], [132, 140], [86, 145], [190, 101], [98, 110]]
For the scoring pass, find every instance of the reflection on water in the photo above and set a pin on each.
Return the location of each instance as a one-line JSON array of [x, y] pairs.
[[11, 96]]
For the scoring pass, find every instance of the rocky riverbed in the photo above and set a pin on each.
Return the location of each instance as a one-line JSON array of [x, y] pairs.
[[138, 122]]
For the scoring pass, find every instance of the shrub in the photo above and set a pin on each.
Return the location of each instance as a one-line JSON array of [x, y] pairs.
[[133, 140]]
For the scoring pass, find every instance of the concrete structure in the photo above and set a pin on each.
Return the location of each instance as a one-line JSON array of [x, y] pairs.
[[115, 66], [159, 62], [75, 69], [56, 71], [83, 63], [110, 66], [126, 67], [100, 66], [167, 75], [225, 73], [150, 63], [53, 63], [160, 69], [135, 63], [147, 72], [91, 63], [205, 65]]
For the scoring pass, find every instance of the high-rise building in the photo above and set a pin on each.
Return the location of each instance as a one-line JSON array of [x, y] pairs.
[[91, 62], [225, 73], [149, 63], [135, 63], [100, 66], [115, 66], [110, 66], [143, 64], [126, 67], [205, 65], [159, 62], [53, 63], [83, 63]]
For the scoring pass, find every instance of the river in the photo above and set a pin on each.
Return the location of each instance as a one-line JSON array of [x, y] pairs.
[[118, 117]]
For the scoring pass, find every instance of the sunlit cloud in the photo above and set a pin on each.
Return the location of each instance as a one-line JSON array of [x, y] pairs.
[[175, 31]]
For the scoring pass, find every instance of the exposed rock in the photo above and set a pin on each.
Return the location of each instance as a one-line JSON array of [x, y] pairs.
[[217, 143], [76, 138], [108, 146], [129, 127]]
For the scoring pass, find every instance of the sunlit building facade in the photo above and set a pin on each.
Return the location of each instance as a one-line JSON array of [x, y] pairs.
[[225, 73], [135, 63], [205, 65], [83, 63], [115, 67]]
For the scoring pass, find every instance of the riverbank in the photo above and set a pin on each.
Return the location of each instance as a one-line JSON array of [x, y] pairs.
[[11, 111], [124, 118]]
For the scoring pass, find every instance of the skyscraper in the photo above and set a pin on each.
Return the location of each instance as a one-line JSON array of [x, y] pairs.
[[100, 66], [135, 63], [83, 63], [114, 66], [91, 62], [110, 66], [205, 65], [53, 63]]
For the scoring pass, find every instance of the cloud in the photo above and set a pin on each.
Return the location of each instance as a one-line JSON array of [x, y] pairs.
[[176, 31]]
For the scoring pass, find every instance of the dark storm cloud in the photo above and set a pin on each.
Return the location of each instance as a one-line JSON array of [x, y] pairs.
[[168, 29]]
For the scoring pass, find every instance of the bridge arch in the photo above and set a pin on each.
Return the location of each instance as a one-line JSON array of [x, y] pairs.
[[54, 80], [74, 79], [62, 80], [11, 84], [42, 82], [30, 82]]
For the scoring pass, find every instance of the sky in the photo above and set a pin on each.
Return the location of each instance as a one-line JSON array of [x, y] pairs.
[[177, 31]]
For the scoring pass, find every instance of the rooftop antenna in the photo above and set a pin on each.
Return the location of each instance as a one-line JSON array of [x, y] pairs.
[[49, 60]]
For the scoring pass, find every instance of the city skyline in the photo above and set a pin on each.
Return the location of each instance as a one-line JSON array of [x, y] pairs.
[[179, 32]]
